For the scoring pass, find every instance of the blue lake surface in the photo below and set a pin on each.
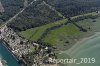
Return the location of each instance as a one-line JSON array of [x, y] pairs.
[[7, 56]]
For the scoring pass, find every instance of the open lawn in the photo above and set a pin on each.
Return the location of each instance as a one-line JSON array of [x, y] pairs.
[[90, 24], [86, 24], [63, 36], [35, 33]]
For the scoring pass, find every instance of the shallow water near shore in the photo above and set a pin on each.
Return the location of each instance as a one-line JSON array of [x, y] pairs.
[[7, 56], [88, 48]]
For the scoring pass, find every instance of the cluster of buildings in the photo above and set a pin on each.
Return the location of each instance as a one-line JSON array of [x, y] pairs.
[[19, 47], [16, 44]]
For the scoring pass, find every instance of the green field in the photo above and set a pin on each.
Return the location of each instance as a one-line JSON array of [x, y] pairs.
[[90, 24], [86, 24], [35, 33], [63, 37]]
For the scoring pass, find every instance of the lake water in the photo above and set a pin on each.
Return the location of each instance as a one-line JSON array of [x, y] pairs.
[[88, 48], [7, 56]]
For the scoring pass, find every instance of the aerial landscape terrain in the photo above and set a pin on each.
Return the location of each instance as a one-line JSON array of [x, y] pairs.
[[32, 32]]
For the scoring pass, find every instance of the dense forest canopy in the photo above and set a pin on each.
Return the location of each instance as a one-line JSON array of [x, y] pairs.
[[74, 7], [35, 15], [45, 11], [11, 7]]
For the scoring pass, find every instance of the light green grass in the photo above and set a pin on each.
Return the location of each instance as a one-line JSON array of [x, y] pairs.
[[35, 33], [86, 24], [90, 25], [87, 14], [62, 33]]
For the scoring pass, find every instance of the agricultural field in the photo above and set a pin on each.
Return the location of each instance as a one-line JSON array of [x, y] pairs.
[[55, 36], [35, 33], [63, 36], [86, 24]]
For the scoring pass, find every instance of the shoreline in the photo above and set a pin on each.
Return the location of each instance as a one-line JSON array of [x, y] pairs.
[[78, 43], [9, 49]]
